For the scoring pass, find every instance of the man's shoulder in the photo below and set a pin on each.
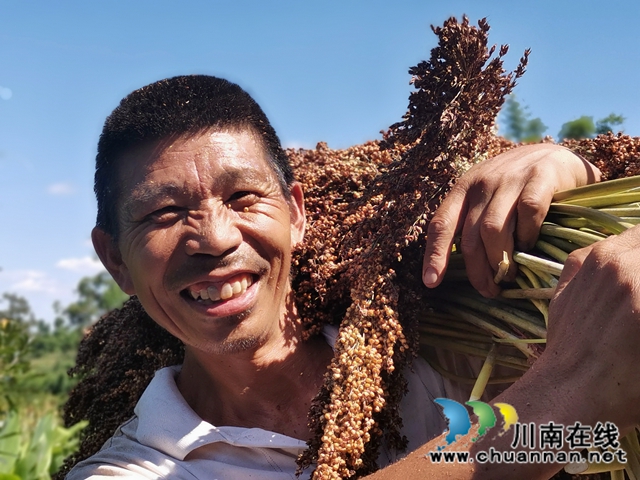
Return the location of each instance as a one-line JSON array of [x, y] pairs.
[[123, 456]]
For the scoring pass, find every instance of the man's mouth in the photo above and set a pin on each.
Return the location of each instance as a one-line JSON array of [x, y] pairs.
[[232, 288]]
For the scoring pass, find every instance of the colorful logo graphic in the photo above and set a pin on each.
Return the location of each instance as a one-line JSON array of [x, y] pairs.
[[543, 443], [460, 423], [509, 413]]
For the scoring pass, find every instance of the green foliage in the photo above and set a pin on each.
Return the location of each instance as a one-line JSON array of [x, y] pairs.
[[34, 355], [18, 309], [29, 449], [34, 359], [584, 127], [49, 373], [519, 125], [14, 364], [608, 123], [62, 338], [97, 295], [36, 455]]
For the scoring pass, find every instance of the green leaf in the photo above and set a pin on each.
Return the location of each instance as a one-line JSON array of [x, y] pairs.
[[9, 476]]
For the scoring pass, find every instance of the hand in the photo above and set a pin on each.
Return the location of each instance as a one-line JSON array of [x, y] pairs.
[[594, 327], [496, 200], [588, 372]]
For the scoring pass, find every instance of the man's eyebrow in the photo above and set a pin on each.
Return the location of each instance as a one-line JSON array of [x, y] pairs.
[[235, 175], [145, 192]]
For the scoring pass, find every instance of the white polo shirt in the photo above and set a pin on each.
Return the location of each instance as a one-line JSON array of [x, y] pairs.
[[166, 439]]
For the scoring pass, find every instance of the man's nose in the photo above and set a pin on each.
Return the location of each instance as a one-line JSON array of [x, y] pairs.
[[217, 233]]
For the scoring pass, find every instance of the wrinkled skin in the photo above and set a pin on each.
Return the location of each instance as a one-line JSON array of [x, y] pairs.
[[206, 213], [498, 204]]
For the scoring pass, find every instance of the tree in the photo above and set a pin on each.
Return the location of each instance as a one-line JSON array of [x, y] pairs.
[[52, 348], [518, 124], [18, 309], [584, 127], [14, 348], [607, 124], [97, 295]]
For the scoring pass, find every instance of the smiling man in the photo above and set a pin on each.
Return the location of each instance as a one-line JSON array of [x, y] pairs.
[[204, 239], [198, 212]]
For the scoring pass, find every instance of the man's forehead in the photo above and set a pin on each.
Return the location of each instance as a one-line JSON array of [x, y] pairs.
[[225, 145], [239, 157], [234, 140]]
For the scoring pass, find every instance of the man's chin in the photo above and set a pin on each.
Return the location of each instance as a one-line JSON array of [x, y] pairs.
[[235, 346]]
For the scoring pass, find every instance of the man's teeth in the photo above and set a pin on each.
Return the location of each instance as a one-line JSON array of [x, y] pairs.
[[228, 290]]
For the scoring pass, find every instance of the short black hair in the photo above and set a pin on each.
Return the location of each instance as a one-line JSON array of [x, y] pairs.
[[181, 105]]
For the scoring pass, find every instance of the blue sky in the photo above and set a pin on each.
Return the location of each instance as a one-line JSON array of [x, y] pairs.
[[333, 71]]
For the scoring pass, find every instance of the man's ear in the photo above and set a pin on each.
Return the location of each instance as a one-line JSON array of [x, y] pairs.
[[298, 217], [109, 255]]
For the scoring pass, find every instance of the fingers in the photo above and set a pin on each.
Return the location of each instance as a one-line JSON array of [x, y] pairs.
[[486, 230], [497, 204], [589, 173], [440, 235], [625, 245], [571, 267], [532, 208], [487, 233]]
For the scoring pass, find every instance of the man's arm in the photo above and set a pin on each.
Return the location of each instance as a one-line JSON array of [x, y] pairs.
[[588, 372]]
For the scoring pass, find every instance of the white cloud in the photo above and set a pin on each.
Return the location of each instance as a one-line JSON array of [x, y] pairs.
[[40, 289], [86, 265], [5, 93], [31, 281], [60, 189]]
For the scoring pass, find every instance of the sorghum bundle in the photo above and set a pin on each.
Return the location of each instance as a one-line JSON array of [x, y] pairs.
[[350, 261], [510, 330]]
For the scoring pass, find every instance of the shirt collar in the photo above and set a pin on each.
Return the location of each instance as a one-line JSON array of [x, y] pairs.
[[167, 423]]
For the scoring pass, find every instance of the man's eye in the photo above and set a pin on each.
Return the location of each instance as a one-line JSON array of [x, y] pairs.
[[166, 214], [243, 198]]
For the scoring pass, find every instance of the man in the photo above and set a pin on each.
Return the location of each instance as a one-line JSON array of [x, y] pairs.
[[197, 215]]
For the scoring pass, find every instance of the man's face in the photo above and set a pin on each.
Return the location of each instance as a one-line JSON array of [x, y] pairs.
[[205, 238]]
